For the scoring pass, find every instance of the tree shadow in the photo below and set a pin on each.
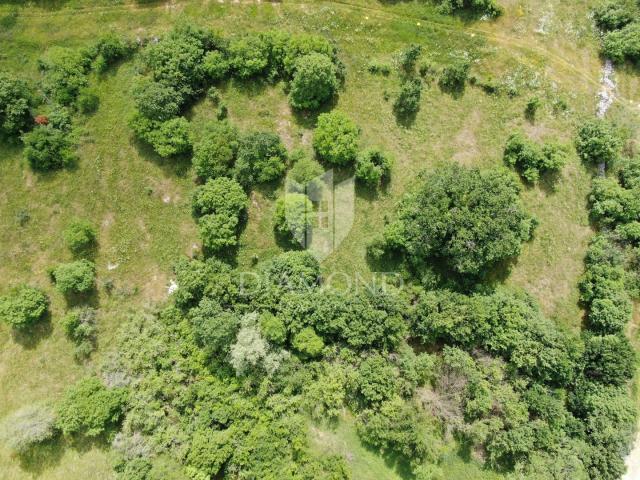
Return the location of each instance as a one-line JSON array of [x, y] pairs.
[[87, 299], [177, 165], [308, 118], [42, 456], [456, 91], [549, 182], [406, 120], [31, 336]]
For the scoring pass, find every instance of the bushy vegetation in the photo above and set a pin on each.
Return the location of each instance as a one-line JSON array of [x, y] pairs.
[[218, 206], [15, 103], [407, 103], [619, 20], [214, 155], [293, 216], [597, 142], [314, 81], [335, 139], [453, 77], [27, 427], [484, 7], [261, 158], [470, 219], [532, 160], [75, 277], [80, 327], [80, 236], [23, 306], [373, 166], [614, 14], [89, 408], [47, 147], [304, 174]]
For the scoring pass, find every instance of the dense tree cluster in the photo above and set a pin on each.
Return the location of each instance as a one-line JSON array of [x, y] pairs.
[[468, 218], [484, 7], [618, 19], [533, 160], [218, 206]]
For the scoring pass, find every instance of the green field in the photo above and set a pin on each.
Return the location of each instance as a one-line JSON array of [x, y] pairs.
[[142, 202]]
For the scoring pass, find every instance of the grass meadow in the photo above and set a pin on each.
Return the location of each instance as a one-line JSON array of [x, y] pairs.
[[141, 203]]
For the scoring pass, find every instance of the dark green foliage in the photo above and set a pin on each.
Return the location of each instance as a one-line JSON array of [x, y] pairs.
[[629, 232], [454, 76], [292, 271], [293, 216], [217, 196], [305, 44], [624, 44], [373, 166], [408, 101], [530, 110], [609, 359], [196, 277], [89, 408], [215, 154], [249, 55], [48, 148], [486, 7], [376, 381], [273, 328], [80, 327], [15, 100], [469, 218], [610, 315], [409, 56], [261, 158], [304, 175], [215, 329], [65, 73], [532, 160], [614, 14], [218, 231], [80, 237], [88, 101], [110, 49], [598, 142], [335, 139], [398, 427], [215, 65], [75, 277], [379, 68], [157, 101], [210, 450], [314, 81], [168, 138], [307, 343], [612, 204], [23, 306], [506, 324]]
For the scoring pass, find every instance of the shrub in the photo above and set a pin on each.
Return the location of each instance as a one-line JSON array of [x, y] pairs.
[[293, 216], [65, 72], [629, 232], [80, 327], [172, 137], [218, 231], [109, 49], [376, 381], [48, 148], [261, 158], [372, 167], [23, 306], [624, 44], [530, 110], [80, 237], [408, 101], [597, 142], [409, 56], [613, 15], [157, 101], [215, 65], [292, 270], [75, 277], [27, 427], [219, 196], [305, 44], [273, 328], [609, 359], [532, 160], [486, 7], [611, 204], [453, 77], [307, 343], [469, 218], [335, 139], [249, 55], [89, 408], [610, 315], [215, 329], [215, 154], [15, 99], [379, 68], [88, 101], [314, 81], [304, 175]]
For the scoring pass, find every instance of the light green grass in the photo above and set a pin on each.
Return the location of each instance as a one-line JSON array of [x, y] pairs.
[[141, 204]]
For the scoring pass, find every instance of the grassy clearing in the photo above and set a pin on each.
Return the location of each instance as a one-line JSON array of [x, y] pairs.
[[141, 203]]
